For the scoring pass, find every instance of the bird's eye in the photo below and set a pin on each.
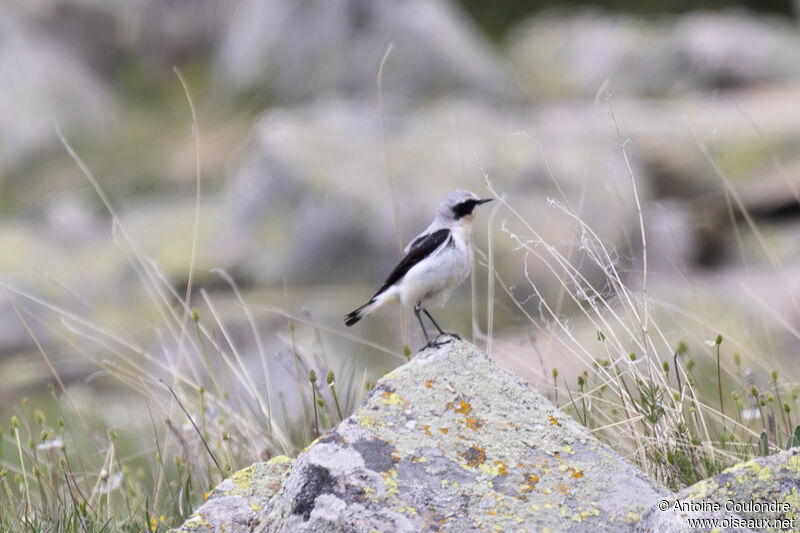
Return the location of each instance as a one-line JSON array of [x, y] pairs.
[[464, 208]]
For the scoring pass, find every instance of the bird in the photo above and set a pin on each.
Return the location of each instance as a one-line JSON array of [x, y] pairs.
[[435, 262]]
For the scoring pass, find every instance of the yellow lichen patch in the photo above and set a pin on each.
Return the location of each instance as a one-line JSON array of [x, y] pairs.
[[765, 474], [465, 409], [427, 429], [429, 383], [794, 463], [793, 499], [419, 459], [553, 420], [498, 468], [632, 518], [444, 431], [390, 481], [255, 507], [363, 419], [280, 460], [567, 449], [474, 456], [530, 482], [701, 488], [392, 398], [242, 479], [511, 424], [574, 472], [409, 510]]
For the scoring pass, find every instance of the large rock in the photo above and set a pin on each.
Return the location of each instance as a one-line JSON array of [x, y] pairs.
[[305, 49], [451, 442]]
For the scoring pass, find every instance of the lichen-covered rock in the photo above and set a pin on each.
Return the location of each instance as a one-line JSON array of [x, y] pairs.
[[234, 503], [763, 494], [451, 442]]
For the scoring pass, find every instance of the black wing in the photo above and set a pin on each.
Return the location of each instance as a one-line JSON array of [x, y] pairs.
[[420, 249]]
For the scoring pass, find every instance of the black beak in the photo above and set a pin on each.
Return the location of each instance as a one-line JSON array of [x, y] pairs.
[[483, 201]]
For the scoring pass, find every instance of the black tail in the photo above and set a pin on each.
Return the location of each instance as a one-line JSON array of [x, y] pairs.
[[355, 316]]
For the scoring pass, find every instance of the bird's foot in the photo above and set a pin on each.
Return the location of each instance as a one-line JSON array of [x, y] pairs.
[[441, 340]]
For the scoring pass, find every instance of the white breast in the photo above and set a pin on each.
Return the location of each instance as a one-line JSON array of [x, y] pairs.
[[433, 280]]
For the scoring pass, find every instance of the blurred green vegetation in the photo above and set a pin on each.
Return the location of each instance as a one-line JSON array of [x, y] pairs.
[[498, 17]]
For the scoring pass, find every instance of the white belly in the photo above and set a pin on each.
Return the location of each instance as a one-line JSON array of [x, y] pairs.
[[433, 280]]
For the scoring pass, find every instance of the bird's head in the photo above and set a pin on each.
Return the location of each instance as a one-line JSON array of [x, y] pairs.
[[459, 206]]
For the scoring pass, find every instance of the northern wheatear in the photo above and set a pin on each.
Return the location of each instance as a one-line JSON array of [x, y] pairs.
[[436, 262]]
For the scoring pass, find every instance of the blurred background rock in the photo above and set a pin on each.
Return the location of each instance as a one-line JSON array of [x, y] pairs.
[[296, 195]]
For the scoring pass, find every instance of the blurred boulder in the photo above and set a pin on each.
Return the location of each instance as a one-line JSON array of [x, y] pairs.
[[43, 86], [318, 175], [562, 54], [720, 50], [160, 33], [302, 49]]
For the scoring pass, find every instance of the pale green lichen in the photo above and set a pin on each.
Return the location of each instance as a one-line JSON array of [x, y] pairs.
[[242, 481]]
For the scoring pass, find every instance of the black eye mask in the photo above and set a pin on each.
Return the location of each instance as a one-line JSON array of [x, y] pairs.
[[464, 208]]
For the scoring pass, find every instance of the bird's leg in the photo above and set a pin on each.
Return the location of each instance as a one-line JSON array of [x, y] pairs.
[[424, 331], [441, 331]]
